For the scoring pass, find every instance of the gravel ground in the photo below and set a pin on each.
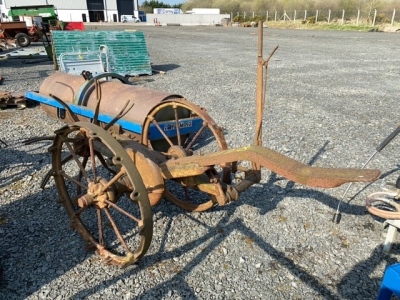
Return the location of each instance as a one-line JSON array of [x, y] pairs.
[[332, 98]]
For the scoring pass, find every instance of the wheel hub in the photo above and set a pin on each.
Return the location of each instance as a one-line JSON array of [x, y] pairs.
[[178, 152], [97, 195]]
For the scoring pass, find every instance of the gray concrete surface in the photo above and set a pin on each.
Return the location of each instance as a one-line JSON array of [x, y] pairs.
[[332, 98]]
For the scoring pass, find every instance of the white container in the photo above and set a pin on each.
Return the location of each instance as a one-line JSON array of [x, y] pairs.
[[30, 21]]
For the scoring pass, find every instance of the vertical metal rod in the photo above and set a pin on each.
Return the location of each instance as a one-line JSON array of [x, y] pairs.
[[259, 94]]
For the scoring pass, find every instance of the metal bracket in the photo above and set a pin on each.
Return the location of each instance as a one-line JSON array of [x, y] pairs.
[[393, 226]]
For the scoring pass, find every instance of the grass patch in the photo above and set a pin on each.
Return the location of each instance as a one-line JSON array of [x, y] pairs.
[[323, 26]]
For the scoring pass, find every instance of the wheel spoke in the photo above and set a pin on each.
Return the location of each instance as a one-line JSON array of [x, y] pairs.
[[80, 211], [197, 135], [66, 159], [116, 230], [100, 226], [162, 132], [92, 159], [78, 187], [177, 125], [78, 162], [123, 211], [113, 180], [104, 164], [186, 193], [73, 180]]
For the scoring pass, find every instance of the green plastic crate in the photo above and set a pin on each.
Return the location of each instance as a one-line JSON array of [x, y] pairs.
[[128, 53]]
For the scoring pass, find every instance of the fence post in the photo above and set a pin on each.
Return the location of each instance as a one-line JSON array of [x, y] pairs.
[[275, 15], [316, 16], [231, 16], [343, 17], [305, 15], [373, 22], [294, 17], [329, 16], [358, 16], [394, 13]]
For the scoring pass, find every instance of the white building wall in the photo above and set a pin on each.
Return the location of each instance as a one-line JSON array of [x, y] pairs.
[[72, 15], [76, 15], [109, 16], [10, 3], [68, 10], [186, 19], [68, 4], [3, 11], [207, 11], [59, 4], [110, 5]]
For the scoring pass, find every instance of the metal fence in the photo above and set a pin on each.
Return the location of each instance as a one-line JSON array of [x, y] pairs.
[[354, 17]]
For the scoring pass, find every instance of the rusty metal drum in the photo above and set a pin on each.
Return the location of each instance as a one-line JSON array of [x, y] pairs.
[[113, 94]]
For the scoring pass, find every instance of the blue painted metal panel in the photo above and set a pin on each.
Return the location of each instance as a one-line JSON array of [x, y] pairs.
[[83, 111], [186, 126], [128, 53]]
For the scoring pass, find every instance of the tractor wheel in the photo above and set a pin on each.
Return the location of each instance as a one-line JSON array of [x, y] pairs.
[[22, 39]]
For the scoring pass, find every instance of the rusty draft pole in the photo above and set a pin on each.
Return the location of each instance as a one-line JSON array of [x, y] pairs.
[[261, 89]]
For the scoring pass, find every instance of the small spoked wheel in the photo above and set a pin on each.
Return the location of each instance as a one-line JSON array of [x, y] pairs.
[[102, 192], [178, 128]]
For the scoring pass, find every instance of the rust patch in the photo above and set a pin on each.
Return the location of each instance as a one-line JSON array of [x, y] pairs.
[[5, 115], [12, 99], [277, 163]]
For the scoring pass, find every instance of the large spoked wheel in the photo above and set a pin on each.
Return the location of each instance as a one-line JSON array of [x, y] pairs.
[[178, 128], [102, 192]]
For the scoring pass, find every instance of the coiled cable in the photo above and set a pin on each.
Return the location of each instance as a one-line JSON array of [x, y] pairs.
[[384, 205]]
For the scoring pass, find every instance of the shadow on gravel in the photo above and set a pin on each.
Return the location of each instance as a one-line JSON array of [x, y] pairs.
[[24, 62], [23, 163], [36, 246], [278, 193], [216, 235], [165, 68], [213, 238], [354, 283]]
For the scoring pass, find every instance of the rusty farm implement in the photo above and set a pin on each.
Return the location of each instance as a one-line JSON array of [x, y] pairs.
[[125, 147]]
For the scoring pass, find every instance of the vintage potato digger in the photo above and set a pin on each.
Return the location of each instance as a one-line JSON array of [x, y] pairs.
[[126, 147]]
